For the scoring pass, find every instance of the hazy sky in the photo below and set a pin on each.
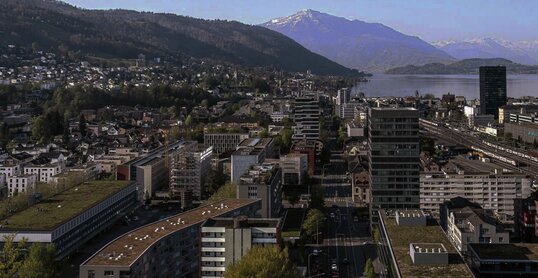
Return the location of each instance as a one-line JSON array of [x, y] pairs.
[[429, 19]]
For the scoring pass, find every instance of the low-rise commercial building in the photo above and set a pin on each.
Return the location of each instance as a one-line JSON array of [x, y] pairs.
[[294, 168], [166, 248], [263, 181], [224, 241], [71, 218]]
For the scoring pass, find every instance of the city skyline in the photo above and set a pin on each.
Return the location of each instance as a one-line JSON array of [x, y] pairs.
[[430, 20]]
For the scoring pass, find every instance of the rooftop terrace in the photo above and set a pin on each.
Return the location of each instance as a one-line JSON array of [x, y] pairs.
[[52, 212], [125, 250], [402, 236]]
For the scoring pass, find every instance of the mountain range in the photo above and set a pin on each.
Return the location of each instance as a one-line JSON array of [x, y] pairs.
[[523, 52], [356, 44], [467, 66], [124, 34]]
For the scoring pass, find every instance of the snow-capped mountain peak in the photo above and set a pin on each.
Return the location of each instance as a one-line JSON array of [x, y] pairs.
[[523, 52]]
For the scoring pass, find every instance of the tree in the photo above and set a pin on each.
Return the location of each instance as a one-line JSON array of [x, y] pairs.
[[39, 262], [11, 256], [213, 182], [227, 191], [314, 222], [263, 262], [369, 270], [188, 120], [174, 134], [263, 133]]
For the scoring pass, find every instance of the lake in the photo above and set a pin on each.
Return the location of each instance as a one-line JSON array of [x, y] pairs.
[[466, 85]]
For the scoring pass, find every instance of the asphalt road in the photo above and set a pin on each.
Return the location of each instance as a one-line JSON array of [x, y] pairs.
[[348, 243]]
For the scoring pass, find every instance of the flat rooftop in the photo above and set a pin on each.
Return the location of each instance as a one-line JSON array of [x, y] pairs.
[[473, 166], [133, 244], [52, 212], [402, 236], [512, 251], [250, 223]]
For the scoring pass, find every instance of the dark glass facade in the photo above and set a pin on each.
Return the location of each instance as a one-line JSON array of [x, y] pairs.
[[492, 90]]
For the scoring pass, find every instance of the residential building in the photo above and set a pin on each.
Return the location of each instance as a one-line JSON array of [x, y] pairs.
[[361, 188], [294, 168], [355, 130], [166, 248], [224, 241], [72, 217], [472, 224], [152, 175], [503, 260], [263, 181], [394, 157], [492, 89], [44, 172], [12, 169], [482, 182], [223, 142], [21, 184], [189, 166], [406, 250], [306, 114], [249, 152]]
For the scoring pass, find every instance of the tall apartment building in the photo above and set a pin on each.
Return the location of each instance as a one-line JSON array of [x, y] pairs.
[[165, 248], [306, 114], [224, 241], [249, 152], [223, 142], [343, 96], [263, 181], [189, 166], [492, 89], [394, 164], [481, 182]]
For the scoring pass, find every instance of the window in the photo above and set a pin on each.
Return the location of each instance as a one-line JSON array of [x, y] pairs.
[[501, 239], [91, 273], [109, 273]]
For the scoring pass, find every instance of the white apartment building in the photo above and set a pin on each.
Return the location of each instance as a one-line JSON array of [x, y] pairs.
[[21, 184], [484, 183], [10, 170], [44, 173], [473, 225], [223, 142], [225, 240]]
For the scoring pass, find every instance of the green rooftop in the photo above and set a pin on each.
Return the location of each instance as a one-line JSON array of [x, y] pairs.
[[402, 236], [51, 212]]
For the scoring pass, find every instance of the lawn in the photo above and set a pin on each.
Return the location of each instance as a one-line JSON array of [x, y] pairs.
[[59, 208]]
